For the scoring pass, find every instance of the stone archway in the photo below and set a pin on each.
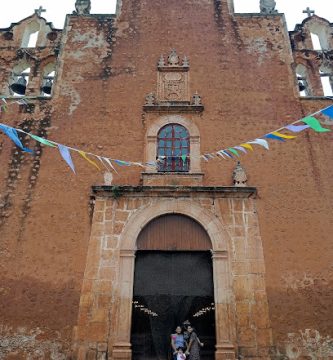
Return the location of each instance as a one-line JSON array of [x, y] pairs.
[[227, 215], [225, 324]]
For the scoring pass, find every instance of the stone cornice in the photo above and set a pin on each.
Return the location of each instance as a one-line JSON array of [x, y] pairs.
[[174, 107], [174, 191]]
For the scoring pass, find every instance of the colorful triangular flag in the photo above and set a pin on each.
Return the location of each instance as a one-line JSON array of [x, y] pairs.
[[283, 136], [274, 137], [66, 155], [328, 111], [220, 153], [247, 146], [314, 124], [225, 152], [84, 155], [296, 128], [13, 135], [121, 162], [232, 150], [42, 140], [108, 161], [261, 142], [241, 148]]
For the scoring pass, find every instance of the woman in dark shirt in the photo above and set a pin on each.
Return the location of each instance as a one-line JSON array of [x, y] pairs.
[[194, 344]]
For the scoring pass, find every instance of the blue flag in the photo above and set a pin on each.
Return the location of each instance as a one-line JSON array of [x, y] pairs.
[[122, 163], [12, 134], [64, 151], [274, 137], [328, 111]]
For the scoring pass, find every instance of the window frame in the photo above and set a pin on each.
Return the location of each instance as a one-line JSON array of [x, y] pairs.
[[154, 126], [170, 140]]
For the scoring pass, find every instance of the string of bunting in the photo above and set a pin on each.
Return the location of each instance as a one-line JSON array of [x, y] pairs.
[[65, 151], [309, 122], [5, 104]]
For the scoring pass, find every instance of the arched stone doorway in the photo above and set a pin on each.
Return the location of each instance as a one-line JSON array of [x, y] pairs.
[[218, 238], [228, 219], [173, 282]]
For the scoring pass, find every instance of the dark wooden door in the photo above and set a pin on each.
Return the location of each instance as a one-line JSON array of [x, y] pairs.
[[173, 280], [169, 288], [174, 232]]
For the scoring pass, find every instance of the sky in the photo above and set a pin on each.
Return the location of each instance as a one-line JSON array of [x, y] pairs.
[[16, 10]]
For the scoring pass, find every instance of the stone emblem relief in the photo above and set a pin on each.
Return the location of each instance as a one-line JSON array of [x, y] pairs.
[[173, 78], [174, 86]]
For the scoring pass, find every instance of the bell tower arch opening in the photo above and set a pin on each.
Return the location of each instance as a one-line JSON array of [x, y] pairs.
[[173, 282]]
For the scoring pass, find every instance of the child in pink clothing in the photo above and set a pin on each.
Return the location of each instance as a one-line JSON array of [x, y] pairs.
[[180, 354]]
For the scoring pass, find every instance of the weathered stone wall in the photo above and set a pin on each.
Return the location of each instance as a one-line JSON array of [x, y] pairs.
[[243, 68]]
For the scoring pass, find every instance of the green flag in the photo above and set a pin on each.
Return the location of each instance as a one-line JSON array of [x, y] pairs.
[[314, 124], [235, 152], [43, 141]]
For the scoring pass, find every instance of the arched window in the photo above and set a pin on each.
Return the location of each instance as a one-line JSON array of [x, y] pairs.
[[30, 35], [48, 79], [320, 34], [173, 149], [302, 78], [19, 79], [326, 77], [316, 42]]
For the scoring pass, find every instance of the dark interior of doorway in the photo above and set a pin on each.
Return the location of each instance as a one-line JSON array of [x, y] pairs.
[[169, 288]]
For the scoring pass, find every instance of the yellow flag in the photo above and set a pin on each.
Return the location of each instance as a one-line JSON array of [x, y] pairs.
[[283, 136], [247, 146], [84, 155]]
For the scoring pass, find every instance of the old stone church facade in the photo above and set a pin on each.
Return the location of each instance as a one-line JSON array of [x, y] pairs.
[[94, 268]]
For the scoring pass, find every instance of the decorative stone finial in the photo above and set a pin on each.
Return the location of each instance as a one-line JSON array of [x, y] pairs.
[[173, 58], [196, 99], [161, 61], [268, 7], [186, 63], [108, 177], [150, 99], [82, 7], [239, 176]]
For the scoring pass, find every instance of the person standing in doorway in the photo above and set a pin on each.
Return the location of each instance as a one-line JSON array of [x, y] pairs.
[[186, 334], [177, 341], [194, 344]]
